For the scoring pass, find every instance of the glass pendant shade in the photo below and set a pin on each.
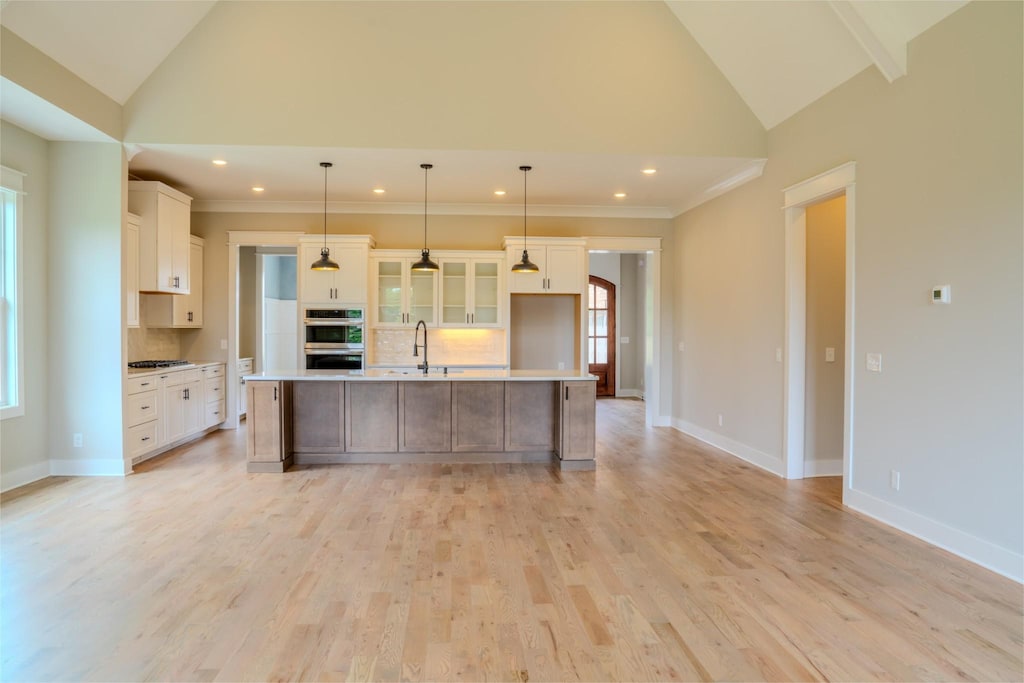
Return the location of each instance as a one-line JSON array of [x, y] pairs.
[[425, 264], [325, 262]]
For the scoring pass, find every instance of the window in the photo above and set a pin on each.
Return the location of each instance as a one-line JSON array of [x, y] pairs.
[[12, 385]]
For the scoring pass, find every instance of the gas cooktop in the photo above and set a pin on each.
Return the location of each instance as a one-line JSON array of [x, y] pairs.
[[156, 363]]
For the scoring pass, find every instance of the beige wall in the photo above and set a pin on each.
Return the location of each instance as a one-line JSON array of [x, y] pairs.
[[630, 307], [938, 201], [826, 310], [543, 332], [23, 439], [445, 75]]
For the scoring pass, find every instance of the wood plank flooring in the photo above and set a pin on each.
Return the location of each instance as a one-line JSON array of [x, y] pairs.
[[670, 562]]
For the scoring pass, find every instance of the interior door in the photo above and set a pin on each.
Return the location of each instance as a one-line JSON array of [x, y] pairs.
[[601, 341]]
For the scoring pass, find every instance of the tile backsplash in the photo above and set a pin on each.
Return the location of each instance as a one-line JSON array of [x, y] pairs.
[[447, 347], [153, 343]]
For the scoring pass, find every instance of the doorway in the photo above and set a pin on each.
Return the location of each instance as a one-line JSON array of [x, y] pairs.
[[601, 334], [839, 181]]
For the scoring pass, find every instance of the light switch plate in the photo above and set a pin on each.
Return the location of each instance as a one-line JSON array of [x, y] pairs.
[[778, 354], [830, 354], [624, 340], [874, 362]]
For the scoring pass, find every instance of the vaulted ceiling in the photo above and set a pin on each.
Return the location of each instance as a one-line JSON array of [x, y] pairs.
[[778, 57]]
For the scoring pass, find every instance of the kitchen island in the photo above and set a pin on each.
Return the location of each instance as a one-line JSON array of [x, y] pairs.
[[403, 416]]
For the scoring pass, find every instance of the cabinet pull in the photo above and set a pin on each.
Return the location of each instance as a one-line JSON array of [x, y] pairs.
[[567, 392], [190, 316], [186, 394], [275, 393], [144, 384], [145, 438], [177, 282], [472, 318], [467, 318], [144, 408]]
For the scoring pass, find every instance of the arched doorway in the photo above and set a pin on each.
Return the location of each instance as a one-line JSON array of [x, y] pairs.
[[601, 334]]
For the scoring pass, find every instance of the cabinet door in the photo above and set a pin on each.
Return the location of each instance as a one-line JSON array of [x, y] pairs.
[[454, 289], [371, 417], [188, 309], [317, 286], [265, 440], [531, 416], [421, 291], [528, 283], [173, 416], [193, 407], [478, 416], [425, 417], [564, 270], [486, 285], [389, 282], [132, 274], [350, 281], [174, 216], [578, 420], [318, 417]]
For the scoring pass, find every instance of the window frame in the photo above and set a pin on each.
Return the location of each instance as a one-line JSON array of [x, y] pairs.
[[13, 181]]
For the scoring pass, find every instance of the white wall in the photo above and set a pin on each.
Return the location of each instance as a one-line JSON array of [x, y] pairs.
[[938, 201], [23, 438], [87, 205]]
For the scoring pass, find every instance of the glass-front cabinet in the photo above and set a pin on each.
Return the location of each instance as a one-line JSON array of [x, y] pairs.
[[470, 291], [402, 297]]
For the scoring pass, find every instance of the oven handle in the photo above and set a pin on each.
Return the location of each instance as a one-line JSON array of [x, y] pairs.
[[334, 322], [335, 345], [334, 352]]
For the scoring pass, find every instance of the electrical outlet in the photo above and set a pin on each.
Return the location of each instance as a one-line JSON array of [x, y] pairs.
[[778, 354], [76, 440], [894, 480], [874, 362], [561, 365], [624, 340], [719, 419], [682, 346]]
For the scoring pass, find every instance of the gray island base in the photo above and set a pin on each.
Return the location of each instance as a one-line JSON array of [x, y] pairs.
[[321, 416]]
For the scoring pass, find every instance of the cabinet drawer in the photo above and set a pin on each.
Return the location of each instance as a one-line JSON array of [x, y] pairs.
[[215, 413], [140, 384], [212, 371], [142, 438], [181, 377], [214, 389], [245, 367], [142, 408]]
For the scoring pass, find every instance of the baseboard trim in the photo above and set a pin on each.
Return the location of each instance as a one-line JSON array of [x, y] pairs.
[[735, 448], [662, 421], [628, 393], [823, 468], [24, 475], [95, 467], [977, 550]]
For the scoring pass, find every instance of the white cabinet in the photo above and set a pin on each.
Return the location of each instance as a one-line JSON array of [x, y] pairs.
[[180, 311], [471, 291], [131, 277], [143, 415], [163, 236], [401, 297], [561, 263], [244, 368], [183, 404], [213, 394], [345, 286]]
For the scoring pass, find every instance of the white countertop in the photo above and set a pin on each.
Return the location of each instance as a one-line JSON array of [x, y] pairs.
[[417, 375], [142, 372]]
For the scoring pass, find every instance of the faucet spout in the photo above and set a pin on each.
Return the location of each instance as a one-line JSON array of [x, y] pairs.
[[416, 346]]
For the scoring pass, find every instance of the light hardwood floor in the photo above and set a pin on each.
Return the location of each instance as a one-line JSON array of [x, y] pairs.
[[670, 562]]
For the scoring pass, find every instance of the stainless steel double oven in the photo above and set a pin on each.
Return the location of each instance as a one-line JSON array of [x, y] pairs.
[[334, 338]]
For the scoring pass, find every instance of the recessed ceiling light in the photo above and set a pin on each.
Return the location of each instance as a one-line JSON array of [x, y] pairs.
[[500, 193], [219, 162], [620, 195], [378, 190], [257, 189], [649, 171]]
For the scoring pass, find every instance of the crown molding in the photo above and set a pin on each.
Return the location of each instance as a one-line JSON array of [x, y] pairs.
[[411, 208]]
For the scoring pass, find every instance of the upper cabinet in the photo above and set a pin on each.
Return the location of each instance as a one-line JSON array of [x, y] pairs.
[[180, 311], [471, 290], [561, 263], [163, 236], [401, 297], [131, 277], [343, 287]]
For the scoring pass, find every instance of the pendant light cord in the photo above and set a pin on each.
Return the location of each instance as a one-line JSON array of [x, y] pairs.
[[426, 170], [525, 170], [326, 165]]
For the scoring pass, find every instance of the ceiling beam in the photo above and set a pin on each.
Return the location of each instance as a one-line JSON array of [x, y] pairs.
[[889, 53]]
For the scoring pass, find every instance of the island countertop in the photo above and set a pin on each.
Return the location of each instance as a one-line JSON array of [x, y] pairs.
[[436, 374]]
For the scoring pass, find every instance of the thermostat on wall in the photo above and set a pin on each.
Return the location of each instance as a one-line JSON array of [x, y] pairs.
[[940, 294]]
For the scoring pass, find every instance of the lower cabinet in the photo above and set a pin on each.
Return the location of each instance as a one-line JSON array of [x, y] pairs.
[[184, 407], [579, 401], [478, 416], [318, 417], [268, 436], [425, 417], [213, 391], [371, 413], [531, 416]]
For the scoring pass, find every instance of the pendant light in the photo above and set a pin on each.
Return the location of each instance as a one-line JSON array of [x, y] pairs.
[[425, 264], [525, 266], [325, 262]]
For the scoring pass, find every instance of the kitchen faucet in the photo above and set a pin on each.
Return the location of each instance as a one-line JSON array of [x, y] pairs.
[[416, 347]]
